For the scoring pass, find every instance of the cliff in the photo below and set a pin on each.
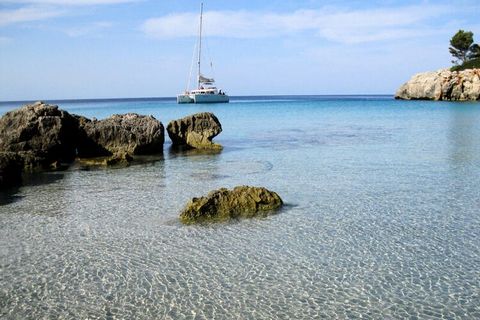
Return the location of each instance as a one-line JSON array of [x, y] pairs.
[[442, 85]]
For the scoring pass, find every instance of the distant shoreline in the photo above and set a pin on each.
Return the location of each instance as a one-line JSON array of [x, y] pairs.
[[442, 85]]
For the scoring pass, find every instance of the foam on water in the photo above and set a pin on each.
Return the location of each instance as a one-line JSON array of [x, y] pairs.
[[381, 221]]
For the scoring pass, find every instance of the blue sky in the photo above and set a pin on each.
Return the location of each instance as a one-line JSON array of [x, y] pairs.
[[66, 49]]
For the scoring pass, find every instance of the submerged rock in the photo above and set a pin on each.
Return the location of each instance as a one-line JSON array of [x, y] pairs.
[[442, 85], [224, 204], [127, 133], [42, 130], [120, 159], [195, 131]]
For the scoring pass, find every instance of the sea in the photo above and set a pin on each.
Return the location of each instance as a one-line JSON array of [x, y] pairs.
[[381, 218]]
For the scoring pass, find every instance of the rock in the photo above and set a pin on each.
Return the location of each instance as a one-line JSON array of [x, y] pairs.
[[32, 161], [442, 85], [11, 166], [41, 136], [119, 159], [195, 131], [42, 130], [128, 133], [224, 204]]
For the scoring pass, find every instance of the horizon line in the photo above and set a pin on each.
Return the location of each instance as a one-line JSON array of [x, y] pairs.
[[174, 97]]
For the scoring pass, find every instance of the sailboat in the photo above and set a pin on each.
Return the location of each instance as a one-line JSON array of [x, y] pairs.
[[206, 91]]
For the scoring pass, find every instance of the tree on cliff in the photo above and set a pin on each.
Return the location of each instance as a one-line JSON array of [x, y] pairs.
[[474, 52], [462, 47]]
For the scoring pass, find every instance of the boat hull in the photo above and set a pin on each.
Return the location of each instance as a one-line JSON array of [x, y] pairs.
[[184, 98], [210, 98], [203, 98]]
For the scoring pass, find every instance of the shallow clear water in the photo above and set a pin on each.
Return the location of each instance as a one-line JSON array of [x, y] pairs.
[[382, 219]]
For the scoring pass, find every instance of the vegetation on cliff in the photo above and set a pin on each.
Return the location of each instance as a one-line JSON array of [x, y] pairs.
[[472, 64], [465, 52]]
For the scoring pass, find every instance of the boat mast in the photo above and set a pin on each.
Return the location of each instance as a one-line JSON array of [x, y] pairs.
[[200, 45]]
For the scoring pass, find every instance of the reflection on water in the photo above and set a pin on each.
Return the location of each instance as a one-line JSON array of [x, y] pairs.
[[183, 151], [464, 134], [383, 222]]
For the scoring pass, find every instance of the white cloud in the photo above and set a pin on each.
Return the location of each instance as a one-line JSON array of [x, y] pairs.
[[33, 10], [30, 13], [345, 26], [66, 2]]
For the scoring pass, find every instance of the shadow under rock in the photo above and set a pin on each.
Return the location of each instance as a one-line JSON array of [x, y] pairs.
[[10, 194], [183, 151]]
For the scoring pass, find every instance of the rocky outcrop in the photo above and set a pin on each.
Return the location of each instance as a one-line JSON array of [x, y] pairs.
[[41, 136], [195, 131], [41, 131], [442, 85], [127, 133], [224, 204]]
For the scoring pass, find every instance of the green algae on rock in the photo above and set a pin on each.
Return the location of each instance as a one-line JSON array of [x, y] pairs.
[[119, 159], [224, 204]]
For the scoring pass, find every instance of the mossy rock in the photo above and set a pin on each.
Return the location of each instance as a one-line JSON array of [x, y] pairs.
[[223, 204], [195, 131], [119, 159]]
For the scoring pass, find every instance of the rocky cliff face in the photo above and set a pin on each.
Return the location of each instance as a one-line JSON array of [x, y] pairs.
[[442, 85]]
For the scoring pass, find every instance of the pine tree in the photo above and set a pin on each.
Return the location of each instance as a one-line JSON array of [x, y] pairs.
[[460, 46]]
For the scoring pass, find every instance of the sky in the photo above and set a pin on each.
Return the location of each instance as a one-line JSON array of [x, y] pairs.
[[67, 49]]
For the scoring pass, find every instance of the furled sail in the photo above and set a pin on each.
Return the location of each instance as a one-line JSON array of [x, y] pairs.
[[203, 79]]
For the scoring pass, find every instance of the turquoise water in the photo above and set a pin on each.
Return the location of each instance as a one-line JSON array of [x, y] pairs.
[[382, 219]]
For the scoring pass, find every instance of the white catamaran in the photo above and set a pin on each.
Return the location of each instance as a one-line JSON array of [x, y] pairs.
[[206, 91]]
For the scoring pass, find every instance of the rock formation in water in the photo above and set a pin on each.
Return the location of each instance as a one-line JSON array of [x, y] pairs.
[[39, 131], [41, 136], [195, 131], [121, 133], [442, 85], [224, 204]]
